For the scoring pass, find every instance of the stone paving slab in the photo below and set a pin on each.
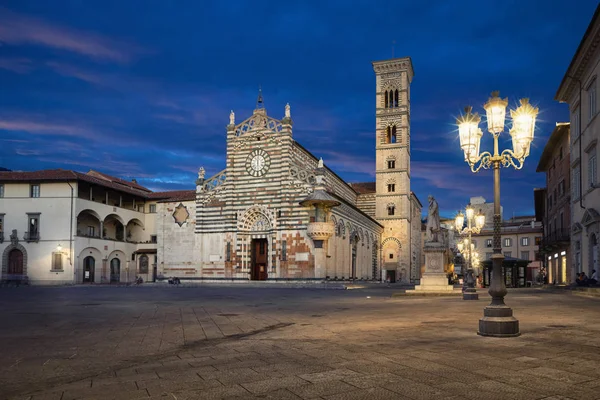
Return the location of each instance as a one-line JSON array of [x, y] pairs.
[[247, 343]]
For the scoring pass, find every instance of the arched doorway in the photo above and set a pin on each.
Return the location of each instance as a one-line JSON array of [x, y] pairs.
[[89, 269], [15, 263], [115, 270]]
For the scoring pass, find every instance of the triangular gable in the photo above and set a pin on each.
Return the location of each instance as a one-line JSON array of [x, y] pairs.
[[590, 216]]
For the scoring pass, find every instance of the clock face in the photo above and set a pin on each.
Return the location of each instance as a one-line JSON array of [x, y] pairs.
[[257, 163]]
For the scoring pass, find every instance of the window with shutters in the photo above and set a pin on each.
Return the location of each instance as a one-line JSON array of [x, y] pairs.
[[576, 183], [592, 168], [57, 264]]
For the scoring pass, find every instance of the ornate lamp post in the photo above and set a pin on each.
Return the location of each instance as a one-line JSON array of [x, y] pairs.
[[474, 225], [497, 318]]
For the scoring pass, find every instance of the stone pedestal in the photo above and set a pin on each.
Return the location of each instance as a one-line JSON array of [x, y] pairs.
[[434, 280], [320, 232]]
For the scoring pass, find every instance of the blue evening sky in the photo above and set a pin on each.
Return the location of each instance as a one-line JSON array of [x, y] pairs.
[[143, 89]]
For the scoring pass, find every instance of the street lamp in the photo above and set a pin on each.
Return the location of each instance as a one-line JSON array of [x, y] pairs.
[[474, 225], [497, 318]]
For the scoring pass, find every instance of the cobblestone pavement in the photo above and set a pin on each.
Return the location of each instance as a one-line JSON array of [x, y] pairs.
[[247, 342]]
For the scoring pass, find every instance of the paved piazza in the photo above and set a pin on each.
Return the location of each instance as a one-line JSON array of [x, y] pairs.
[[242, 342]]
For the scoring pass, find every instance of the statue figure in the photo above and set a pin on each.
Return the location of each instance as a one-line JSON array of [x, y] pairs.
[[231, 118], [201, 173], [287, 111], [14, 238], [433, 220], [320, 165]]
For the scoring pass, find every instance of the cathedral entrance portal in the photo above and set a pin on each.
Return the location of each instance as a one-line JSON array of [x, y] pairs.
[[258, 271]]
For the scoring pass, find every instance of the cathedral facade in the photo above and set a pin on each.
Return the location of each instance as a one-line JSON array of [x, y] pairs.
[[278, 212]]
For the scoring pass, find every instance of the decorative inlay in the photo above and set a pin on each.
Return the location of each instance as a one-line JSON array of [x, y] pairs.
[[181, 214]]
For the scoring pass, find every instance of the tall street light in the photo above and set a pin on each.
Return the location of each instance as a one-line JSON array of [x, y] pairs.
[[474, 225], [497, 318]]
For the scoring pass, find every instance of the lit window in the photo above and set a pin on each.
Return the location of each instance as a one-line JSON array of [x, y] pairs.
[[507, 242], [525, 241], [488, 243]]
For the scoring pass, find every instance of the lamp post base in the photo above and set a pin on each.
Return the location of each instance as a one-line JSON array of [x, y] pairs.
[[498, 321], [470, 294]]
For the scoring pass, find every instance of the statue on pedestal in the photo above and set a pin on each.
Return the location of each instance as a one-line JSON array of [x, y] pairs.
[[287, 111], [231, 118], [433, 221]]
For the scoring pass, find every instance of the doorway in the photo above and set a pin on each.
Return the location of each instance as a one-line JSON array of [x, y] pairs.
[[89, 269], [259, 260], [390, 276], [115, 270], [15, 262]]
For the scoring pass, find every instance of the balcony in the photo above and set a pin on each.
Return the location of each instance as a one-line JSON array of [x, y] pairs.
[[31, 237], [557, 238]]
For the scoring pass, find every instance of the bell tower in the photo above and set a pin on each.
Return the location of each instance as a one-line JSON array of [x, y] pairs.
[[392, 133]]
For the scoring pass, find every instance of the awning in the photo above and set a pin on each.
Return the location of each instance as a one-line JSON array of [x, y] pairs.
[[147, 251]]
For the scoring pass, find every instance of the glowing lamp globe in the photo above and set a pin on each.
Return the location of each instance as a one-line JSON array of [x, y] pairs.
[[469, 134], [459, 221], [523, 128], [495, 110], [470, 212], [480, 220], [460, 246]]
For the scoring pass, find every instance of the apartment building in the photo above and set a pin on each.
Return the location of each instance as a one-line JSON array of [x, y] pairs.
[[556, 205], [578, 89]]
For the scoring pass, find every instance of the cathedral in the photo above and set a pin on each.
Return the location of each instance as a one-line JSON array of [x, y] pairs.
[[278, 212], [275, 212]]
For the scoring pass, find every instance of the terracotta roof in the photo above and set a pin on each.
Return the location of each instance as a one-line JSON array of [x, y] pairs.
[[363, 187], [116, 180], [42, 175], [97, 178], [560, 130], [173, 195]]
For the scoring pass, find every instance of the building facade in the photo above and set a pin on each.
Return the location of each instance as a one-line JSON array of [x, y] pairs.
[[521, 239], [555, 163], [275, 212], [579, 89], [59, 226]]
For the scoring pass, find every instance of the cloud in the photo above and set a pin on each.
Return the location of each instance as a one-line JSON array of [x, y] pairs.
[[74, 72], [43, 128], [18, 65], [20, 29]]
